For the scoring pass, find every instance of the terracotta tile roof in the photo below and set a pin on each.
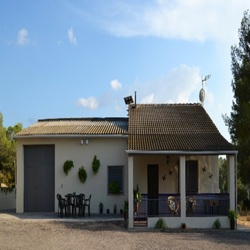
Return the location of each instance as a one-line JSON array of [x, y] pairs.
[[150, 127], [77, 126], [173, 127]]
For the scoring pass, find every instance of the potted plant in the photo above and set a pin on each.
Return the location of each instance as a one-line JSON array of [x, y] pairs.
[[115, 209], [125, 210], [101, 207], [232, 216], [114, 187], [67, 166], [82, 174], [137, 198], [183, 226], [95, 164]]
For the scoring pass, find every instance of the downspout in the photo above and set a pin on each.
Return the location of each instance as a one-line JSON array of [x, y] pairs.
[[236, 187]]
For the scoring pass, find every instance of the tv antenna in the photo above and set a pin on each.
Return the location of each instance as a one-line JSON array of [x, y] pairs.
[[202, 91]]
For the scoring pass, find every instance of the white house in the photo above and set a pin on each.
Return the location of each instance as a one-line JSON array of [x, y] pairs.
[[168, 150]]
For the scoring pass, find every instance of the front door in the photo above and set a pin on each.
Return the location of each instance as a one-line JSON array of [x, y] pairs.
[[153, 190]]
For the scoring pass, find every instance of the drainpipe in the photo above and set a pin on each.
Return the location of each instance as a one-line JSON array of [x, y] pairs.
[[236, 186]]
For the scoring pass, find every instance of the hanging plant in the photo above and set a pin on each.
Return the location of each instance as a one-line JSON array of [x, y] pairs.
[[67, 166], [95, 164], [82, 174]]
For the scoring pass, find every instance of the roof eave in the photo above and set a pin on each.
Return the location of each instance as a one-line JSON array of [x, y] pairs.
[[182, 152], [71, 136]]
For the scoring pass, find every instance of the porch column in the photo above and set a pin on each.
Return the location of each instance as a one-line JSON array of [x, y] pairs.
[[183, 187], [130, 192], [232, 182]]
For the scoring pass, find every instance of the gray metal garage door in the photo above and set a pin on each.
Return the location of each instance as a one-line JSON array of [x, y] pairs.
[[39, 178]]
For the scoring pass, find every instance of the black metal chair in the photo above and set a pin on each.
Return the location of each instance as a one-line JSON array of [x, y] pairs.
[[87, 204], [70, 204], [62, 205], [80, 205]]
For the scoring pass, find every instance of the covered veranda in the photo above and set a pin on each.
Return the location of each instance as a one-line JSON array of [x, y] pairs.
[[197, 207]]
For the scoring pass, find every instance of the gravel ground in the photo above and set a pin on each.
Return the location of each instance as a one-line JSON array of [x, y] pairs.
[[56, 234]]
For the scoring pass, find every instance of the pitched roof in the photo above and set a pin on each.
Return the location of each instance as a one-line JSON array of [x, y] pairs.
[[173, 127], [150, 127], [77, 126]]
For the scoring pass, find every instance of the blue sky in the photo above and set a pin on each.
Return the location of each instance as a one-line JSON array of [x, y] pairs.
[[62, 58]]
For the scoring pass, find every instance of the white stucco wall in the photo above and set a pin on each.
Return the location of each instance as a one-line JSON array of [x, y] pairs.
[[209, 179], [191, 222], [7, 200], [110, 152]]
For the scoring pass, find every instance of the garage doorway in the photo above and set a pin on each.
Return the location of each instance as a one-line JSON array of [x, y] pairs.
[[39, 178]]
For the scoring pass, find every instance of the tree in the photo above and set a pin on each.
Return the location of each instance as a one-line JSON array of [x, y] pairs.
[[223, 169], [239, 121], [8, 152]]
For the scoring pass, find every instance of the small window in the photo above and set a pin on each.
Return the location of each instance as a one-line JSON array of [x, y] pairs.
[[115, 179]]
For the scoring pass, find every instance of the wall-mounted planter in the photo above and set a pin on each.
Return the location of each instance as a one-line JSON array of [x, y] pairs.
[[67, 166], [82, 174], [95, 164]]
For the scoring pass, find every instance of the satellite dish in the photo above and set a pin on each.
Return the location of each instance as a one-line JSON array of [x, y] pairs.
[[202, 95], [202, 91]]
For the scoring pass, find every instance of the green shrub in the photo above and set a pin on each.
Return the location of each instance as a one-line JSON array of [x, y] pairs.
[[217, 224], [161, 224]]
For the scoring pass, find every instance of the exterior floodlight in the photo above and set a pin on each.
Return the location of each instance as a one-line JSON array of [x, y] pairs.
[[128, 100]]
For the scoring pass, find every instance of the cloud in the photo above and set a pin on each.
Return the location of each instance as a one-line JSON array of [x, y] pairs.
[[148, 99], [177, 19], [89, 103], [115, 84], [22, 38], [71, 36], [180, 85]]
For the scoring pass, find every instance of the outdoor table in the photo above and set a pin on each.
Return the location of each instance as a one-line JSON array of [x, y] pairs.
[[70, 198], [76, 202]]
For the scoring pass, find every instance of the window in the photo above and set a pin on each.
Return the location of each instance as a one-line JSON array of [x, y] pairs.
[[115, 179]]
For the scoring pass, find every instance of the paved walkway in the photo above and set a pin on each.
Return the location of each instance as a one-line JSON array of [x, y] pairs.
[[12, 215]]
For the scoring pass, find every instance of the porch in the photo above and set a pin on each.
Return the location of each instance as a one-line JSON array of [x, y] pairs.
[[196, 209]]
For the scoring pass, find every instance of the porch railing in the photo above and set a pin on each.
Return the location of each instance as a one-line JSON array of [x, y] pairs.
[[204, 205]]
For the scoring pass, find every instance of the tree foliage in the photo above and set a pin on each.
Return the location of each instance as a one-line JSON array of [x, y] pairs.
[[8, 152], [223, 172], [239, 121]]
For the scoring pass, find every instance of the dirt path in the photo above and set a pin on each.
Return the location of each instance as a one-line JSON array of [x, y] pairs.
[[244, 221], [28, 234]]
